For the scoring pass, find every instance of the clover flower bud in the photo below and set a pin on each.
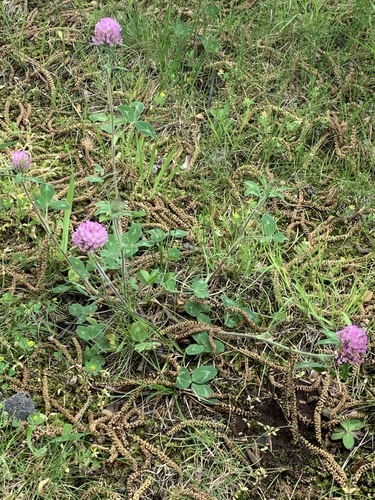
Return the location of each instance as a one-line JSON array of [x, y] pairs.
[[21, 161], [89, 236], [107, 32], [353, 342]]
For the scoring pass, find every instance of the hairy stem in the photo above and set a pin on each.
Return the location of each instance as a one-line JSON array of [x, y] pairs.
[[53, 238], [117, 220]]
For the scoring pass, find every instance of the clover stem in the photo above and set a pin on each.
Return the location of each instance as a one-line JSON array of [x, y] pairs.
[[106, 279], [53, 238], [117, 220]]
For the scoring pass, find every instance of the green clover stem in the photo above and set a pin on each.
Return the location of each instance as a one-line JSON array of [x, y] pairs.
[[265, 337], [116, 222], [106, 279]]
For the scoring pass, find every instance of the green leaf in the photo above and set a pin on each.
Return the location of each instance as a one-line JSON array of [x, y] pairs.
[[8, 298], [169, 282], [173, 254], [107, 127], [203, 318], [180, 28], [268, 225], [127, 112], [194, 349], [147, 278], [77, 264], [47, 191], [38, 453], [348, 441], [61, 289], [138, 108], [40, 202], [231, 320], [219, 346], [76, 309], [212, 10], [59, 205], [337, 434], [352, 424], [130, 250], [146, 346], [194, 309], [104, 207], [200, 288], [227, 302], [254, 316], [90, 309], [210, 45], [157, 235], [138, 331], [73, 276], [203, 391], [279, 237], [67, 212], [144, 276], [252, 189], [99, 169], [94, 364], [203, 374], [177, 233], [98, 117], [265, 239], [89, 332], [37, 180], [328, 341], [133, 234], [95, 179], [67, 437], [183, 380], [331, 338], [7, 144], [201, 338], [344, 371], [146, 129]]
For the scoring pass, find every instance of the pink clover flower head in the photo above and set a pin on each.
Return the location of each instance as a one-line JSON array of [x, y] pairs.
[[21, 161], [353, 342], [107, 32], [89, 236]]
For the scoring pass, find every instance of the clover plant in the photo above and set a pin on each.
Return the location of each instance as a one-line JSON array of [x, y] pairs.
[[347, 431], [197, 381]]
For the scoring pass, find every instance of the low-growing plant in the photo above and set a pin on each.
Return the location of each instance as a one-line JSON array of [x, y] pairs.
[[350, 344], [232, 319], [198, 311], [197, 381], [261, 192], [202, 345], [119, 270], [348, 431], [199, 287], [165, 279], [130, 114], [140, 333]]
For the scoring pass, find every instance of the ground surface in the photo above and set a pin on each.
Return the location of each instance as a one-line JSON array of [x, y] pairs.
[[278, 96]]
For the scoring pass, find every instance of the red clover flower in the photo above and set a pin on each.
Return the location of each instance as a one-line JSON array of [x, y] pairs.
[[21, 161], [89, 236], [107, 31], [353, 342]]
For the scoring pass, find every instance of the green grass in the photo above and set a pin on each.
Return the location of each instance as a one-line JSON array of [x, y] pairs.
[[270, 92]]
